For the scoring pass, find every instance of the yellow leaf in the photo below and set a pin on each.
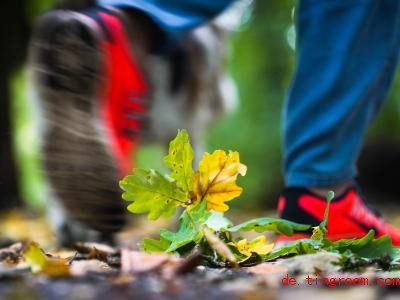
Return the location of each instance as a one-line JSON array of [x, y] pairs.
[[258, 245], [215, 180], [41, 263]]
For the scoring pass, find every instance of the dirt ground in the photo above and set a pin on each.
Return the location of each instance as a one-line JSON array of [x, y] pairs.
[[101, 272], [201, 283]]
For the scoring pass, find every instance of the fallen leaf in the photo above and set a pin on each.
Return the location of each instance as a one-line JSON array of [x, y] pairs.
[[83, 267], [11, 255], [41, 263], [267, 268], [258, 245], [88, 247], [138, 262]]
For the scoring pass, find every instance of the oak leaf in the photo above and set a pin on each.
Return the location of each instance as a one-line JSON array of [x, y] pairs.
[[258, 245], [189, 227], [41, 263], [215, 180], [180, 160], [152, 192]]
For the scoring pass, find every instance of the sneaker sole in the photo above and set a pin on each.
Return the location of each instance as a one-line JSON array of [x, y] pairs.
[[66, 64]]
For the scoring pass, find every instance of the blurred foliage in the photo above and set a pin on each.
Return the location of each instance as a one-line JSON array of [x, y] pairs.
[[26, 144], [37, 7], [387, 124], [262, 63], [26, 140]]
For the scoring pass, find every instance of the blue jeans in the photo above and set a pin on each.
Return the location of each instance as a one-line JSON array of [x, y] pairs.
[[347, 52], [174, 16], [347, 55]]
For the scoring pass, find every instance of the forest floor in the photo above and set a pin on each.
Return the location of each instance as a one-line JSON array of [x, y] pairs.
[[102, 272]]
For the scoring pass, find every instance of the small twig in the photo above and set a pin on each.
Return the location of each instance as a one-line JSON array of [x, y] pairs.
[[219, 246]]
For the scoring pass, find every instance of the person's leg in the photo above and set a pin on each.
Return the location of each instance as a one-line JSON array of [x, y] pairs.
[[92, 95], [91, 72], [347, 55]]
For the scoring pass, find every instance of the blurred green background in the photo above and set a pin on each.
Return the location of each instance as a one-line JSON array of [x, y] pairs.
[[262, 62]]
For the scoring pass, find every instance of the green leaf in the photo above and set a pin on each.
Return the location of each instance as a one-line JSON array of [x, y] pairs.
[[280, 226], [366, 247], [189, 227], [217, 221], [151, 245], [180, 159], [299, 247], [153, 193], [349, 244]]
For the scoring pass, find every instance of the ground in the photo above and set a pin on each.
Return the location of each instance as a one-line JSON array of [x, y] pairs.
[[98, 271]]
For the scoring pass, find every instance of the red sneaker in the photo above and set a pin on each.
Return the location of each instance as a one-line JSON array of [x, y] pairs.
[[349, 217], [93, 99]]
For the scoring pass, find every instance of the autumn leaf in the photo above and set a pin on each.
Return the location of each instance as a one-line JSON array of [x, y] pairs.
[[180, 160], [258, 245], [215, 180], [153, 193], [137, 262], [41, 263]]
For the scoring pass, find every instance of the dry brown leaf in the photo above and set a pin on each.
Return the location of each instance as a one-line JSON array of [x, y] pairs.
[[89, 247], [270, 273], [82, 267], [11, 255], [42, 263], [138, 262], [266, 268]]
